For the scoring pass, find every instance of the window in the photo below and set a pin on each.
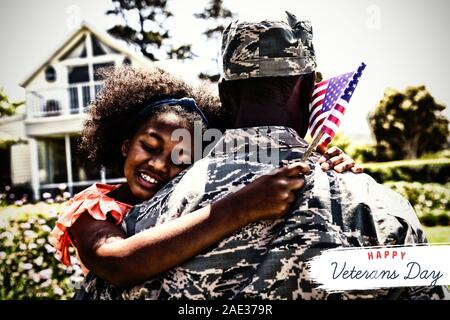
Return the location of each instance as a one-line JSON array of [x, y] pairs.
[[97, 47], [81, 92], [78, 74], [86, 93], [78, 50], [52, 160], [73, 96], [98, 88], [51, 108], [5, 164], [50, 74], [82, 168]]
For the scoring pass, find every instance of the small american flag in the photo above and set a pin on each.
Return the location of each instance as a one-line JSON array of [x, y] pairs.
[[329, 100]]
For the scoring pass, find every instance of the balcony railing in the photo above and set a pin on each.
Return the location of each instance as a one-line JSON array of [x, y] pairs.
[[73, 99]]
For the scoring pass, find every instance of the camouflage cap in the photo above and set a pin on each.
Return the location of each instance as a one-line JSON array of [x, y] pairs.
[[267, 49]]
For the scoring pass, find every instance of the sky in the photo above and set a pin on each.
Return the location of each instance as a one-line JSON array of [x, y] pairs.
[[403, 42]]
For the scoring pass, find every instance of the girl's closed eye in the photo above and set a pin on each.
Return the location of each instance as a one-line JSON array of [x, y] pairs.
[[148, 147]]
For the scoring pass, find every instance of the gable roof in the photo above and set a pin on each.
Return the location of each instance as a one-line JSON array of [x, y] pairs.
[[102, 36]]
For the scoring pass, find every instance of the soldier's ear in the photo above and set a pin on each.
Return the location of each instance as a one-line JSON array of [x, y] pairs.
[[223, 94], [229, 98], [124, 147]]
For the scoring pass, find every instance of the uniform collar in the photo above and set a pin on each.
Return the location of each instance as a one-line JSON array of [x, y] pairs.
[[270, 137]]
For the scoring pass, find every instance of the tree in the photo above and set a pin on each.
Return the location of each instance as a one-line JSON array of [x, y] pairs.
[[181, 52], [319, 76], [217, 17], [408, 124], [7, 108], [143, 26]]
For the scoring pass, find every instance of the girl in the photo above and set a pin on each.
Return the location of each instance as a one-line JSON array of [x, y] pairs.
[[130, 126]]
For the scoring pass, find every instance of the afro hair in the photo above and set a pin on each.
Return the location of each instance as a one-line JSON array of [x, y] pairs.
[[125, 92]]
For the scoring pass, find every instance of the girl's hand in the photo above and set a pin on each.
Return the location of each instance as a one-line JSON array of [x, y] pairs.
[[270, 196], [335, 158]]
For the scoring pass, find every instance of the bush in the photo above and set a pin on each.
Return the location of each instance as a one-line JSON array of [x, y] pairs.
[[28, 269], [15, 194], [340, 141], [437, 170], [443, 219], [362, 153], [430, 200], [424, 197], [429, 220], [436, 155]]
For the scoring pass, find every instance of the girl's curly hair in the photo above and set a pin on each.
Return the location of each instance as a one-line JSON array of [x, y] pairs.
[[124, 93]]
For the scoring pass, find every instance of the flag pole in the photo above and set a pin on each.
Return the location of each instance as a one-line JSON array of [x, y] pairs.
[[312, 146]]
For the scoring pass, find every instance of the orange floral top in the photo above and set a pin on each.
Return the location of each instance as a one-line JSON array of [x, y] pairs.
[[92, 200]]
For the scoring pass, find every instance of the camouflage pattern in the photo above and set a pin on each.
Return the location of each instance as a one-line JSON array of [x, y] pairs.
[[268, 259], [267, 49]]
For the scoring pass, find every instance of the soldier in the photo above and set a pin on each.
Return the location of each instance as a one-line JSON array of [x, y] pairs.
[[267, 82]]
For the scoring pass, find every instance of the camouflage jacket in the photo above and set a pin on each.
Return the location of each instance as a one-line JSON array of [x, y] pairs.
[[268, 259]]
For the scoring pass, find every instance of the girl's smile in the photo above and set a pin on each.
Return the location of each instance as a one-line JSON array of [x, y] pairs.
[[148, 156]]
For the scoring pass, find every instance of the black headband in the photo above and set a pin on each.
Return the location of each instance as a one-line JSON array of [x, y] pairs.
[[183, 102]]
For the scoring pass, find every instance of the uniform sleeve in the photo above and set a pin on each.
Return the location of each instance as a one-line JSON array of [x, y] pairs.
[[92, 201], [393, 204]]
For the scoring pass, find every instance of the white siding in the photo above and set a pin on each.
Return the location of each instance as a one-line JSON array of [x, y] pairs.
[[55, 126], [20, 156], [14, 126], [21, 164]]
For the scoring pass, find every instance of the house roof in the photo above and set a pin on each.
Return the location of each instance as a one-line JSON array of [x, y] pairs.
[[102, 36]]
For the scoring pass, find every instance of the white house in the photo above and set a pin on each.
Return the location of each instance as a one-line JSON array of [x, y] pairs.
[[57, 95]]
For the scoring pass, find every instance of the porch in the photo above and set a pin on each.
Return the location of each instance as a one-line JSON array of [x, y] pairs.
[[58, 165], [71, 100]]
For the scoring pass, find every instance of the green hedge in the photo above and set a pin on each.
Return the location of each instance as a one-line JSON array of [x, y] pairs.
[[431, 201], [422, 170], [28, 268], [431, 219]]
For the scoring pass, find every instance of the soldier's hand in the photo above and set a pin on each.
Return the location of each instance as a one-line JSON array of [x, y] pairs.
[[335, 158], [270, 196]]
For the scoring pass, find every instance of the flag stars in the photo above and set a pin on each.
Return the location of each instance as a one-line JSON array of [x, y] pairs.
[[335, 98]]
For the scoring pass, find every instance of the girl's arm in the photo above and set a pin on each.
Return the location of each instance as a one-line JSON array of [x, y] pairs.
[[104, 248]]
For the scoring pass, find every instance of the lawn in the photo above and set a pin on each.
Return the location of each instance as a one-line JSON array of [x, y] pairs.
[[438, 234]]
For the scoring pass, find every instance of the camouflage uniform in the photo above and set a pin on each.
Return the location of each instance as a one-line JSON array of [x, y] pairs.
[[268, 49], [268, 259]]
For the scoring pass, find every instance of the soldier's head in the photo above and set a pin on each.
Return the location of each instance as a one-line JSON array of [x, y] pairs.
[[268, 72]]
